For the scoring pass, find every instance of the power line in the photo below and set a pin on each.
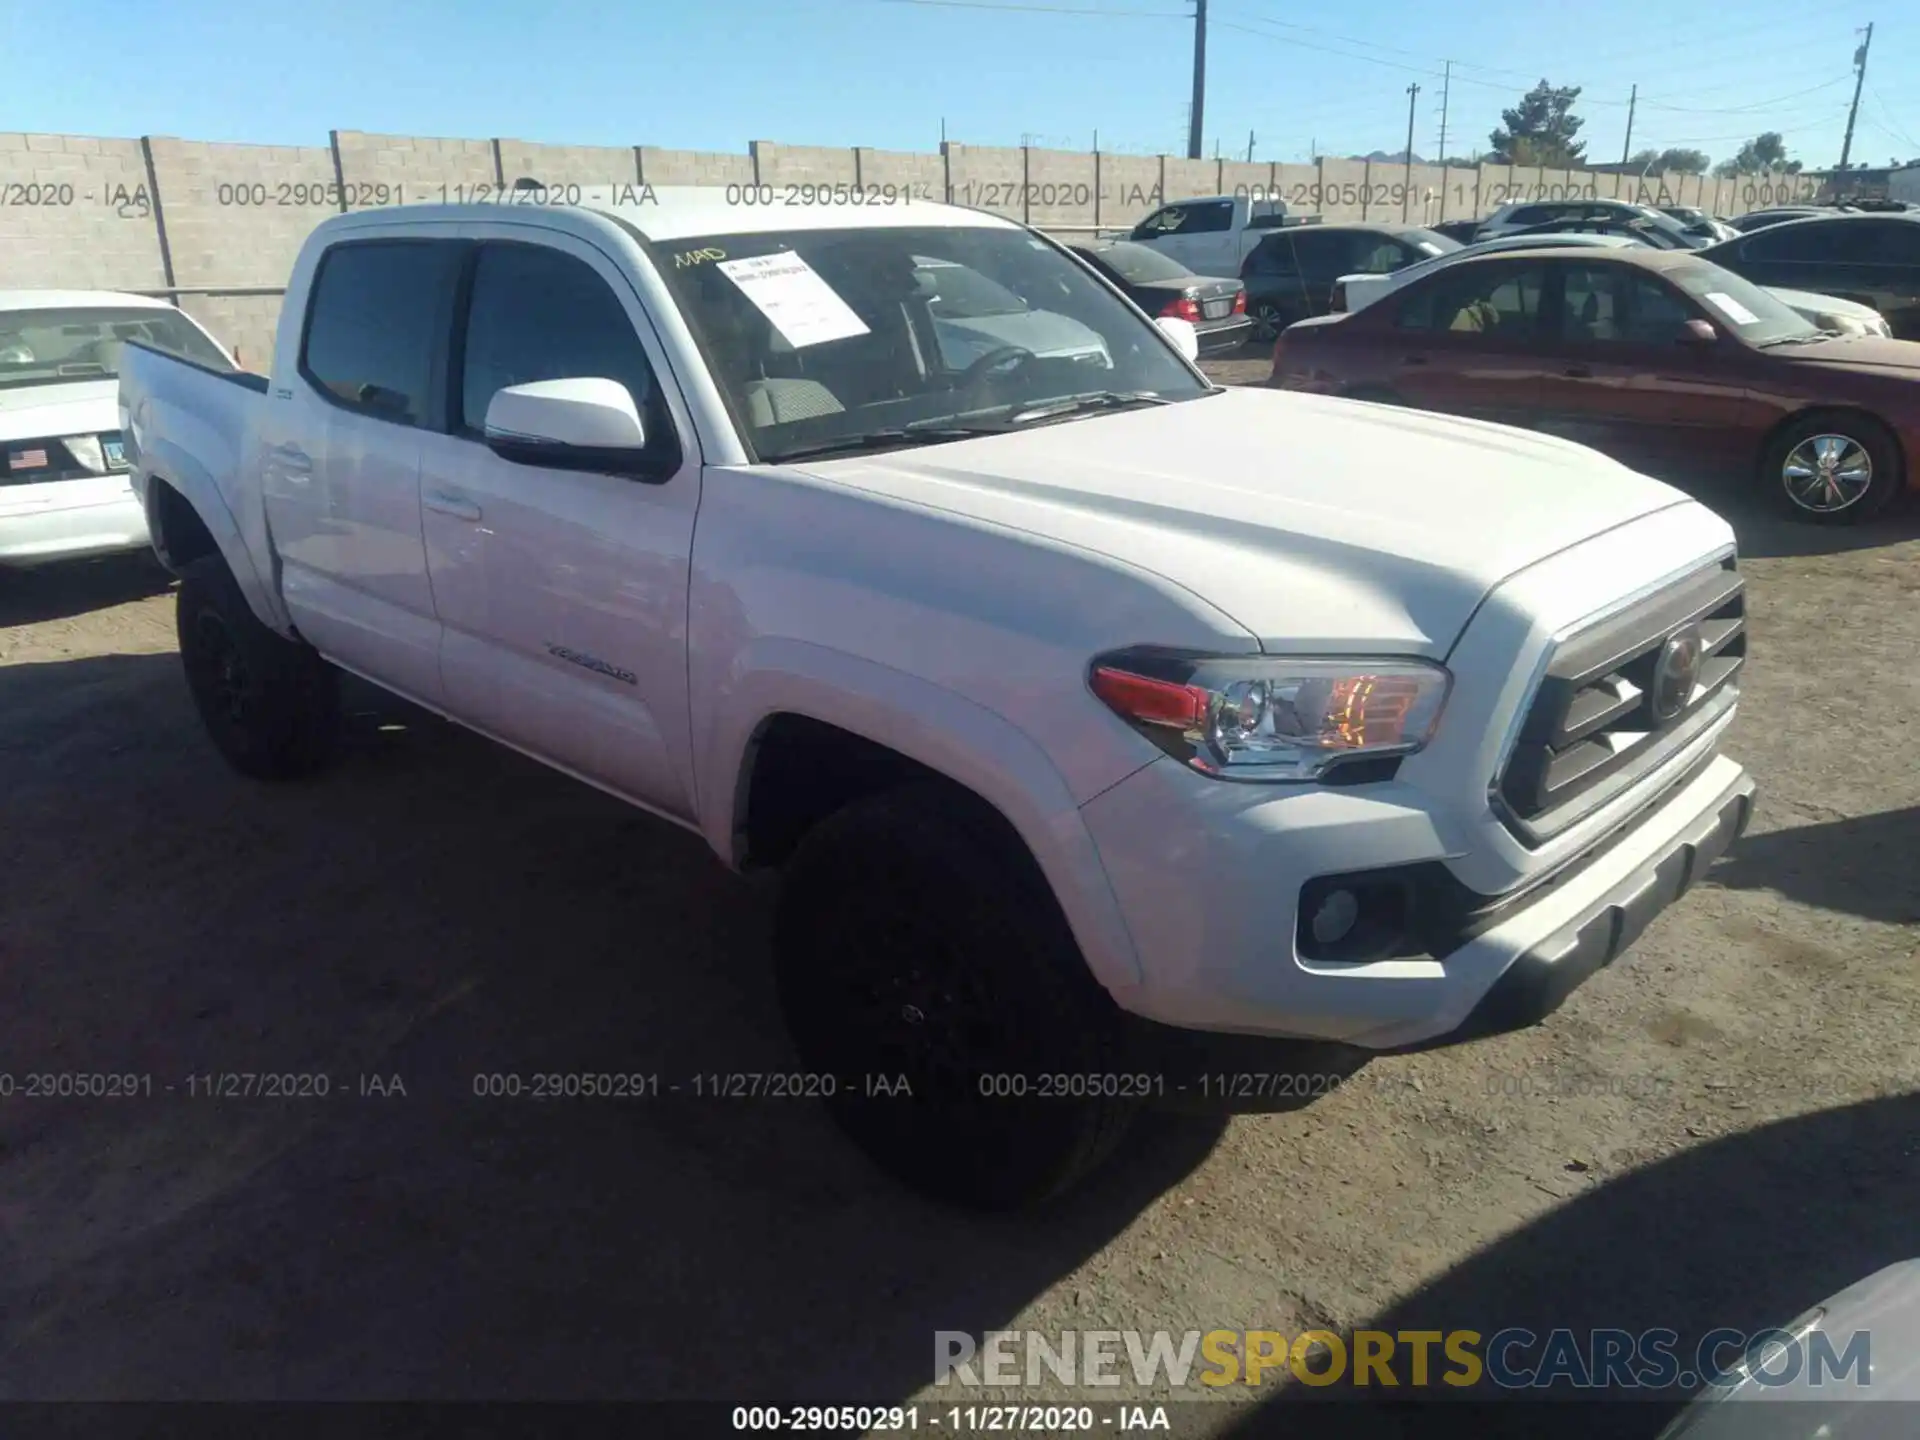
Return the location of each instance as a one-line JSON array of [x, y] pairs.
[[1886, 121]]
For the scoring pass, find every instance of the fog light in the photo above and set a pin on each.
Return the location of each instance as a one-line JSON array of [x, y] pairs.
[[1335, 918], [1352, 919]]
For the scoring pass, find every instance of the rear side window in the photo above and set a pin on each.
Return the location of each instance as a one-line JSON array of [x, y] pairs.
[[1477, 299], [1272, 256], [537, 314], [1900, 242], [375, 324], [1803, 240], [1533, 215]]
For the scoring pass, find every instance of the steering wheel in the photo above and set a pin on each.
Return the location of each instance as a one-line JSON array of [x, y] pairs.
[[1001, 357]]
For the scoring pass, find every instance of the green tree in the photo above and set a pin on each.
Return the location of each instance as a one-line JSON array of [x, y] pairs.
[[1540, 130], [1766, 151], [1671, 161]]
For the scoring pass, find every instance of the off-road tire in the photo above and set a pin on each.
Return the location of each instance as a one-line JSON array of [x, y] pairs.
[[916, 937], [271, 705]]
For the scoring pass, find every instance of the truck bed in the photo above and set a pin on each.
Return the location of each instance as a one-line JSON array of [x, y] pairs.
[[195, 427]]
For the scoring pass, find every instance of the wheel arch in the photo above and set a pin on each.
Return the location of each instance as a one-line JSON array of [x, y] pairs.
[[188, 518], [797, 703], [1779, 428]]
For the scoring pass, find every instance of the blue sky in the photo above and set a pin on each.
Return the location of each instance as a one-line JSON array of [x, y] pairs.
[[714, 74]]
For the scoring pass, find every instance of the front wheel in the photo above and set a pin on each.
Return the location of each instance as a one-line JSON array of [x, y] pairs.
[[924, 964], [270, 704], [1833, 469]]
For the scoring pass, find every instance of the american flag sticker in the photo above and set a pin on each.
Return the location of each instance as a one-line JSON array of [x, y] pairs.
[[27, 460]]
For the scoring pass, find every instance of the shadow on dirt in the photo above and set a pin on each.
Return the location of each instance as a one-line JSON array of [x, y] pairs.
[[433, 923], [1800, 1209], [61, 591], [1863, 865]]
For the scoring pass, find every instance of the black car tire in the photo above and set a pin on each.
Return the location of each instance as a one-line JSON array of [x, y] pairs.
[[271, 705], [1888, 477], [1268, 321], [914, 936]]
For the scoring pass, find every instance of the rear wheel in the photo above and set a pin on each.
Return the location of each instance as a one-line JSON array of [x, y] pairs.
[[1833, 469], [915, 940], [270, 704], [1268, 321]]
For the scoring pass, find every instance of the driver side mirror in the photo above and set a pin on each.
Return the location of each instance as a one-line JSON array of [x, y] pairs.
[[578, 424], [1698, 332], [1185, 338]]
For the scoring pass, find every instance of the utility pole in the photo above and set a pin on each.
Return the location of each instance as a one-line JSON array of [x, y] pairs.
[[1249, 147], [1626, 146], [1446, 92], [1406, 190], [1197, 121], [1859, 79]]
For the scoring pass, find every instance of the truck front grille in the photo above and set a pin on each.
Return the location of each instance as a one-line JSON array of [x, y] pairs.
[[1616, 702]]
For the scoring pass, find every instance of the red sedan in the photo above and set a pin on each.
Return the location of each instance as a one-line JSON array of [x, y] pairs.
[[1665, 361]]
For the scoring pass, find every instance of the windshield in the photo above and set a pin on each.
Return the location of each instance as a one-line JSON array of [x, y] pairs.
[[1752, 313], [1140, 264], [906, 335], [59, 347]]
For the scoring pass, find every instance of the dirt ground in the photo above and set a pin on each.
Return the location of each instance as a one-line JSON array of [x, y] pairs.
[[1720, 1130]]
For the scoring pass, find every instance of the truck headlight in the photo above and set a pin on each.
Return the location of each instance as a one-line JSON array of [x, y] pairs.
[[1272, 718]]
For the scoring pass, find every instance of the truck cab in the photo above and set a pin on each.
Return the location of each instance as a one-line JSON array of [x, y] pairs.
[[1211, 235]]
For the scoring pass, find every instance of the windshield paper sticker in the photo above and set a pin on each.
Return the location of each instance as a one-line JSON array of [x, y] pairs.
[[1732, 308], [789, 292]]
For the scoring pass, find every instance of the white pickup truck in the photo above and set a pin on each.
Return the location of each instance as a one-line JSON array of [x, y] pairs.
[[1214, 234], [1084, 705]]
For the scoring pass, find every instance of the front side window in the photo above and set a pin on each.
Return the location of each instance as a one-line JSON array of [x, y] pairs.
[[1795, 243], [872, 337], [535, 313], [375, 324], [1214, 215], [1622, 304], [66, 346], [1501, 300]]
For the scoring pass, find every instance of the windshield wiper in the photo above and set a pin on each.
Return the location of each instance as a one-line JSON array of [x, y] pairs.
[[920, 433], [1800, 339], [1098, 400]]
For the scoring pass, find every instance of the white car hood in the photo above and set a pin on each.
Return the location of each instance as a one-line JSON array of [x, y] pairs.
[[86, 407], [1809, 304], [1311, 521]]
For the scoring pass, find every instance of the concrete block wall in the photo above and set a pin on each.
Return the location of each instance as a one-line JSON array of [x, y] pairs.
[[237, 215], [76, 213], [87, 212]]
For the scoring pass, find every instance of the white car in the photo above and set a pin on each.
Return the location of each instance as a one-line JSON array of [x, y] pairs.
[[1352, 293], [1088, 715], [1524, 215], [64, 491], [974, 316]]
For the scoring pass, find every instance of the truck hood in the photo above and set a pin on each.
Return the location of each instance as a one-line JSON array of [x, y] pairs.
[[1312, 521], [86, 407]]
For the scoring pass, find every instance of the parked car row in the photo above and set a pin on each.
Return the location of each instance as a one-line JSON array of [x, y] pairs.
[[1666, 360]]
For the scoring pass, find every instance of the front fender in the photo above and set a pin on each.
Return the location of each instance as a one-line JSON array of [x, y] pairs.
[[939, 728]]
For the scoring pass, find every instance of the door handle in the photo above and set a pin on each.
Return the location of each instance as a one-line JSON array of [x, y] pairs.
[[1577, 372], [443, 502]]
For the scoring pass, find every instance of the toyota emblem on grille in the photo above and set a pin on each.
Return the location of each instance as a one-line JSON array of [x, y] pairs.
[[1676, 672]]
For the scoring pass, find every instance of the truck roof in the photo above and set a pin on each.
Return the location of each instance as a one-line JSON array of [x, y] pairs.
[[78, 300], [674, 212]]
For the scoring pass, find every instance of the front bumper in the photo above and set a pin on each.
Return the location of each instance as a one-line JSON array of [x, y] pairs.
[[1209, 877], [37, 532]]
